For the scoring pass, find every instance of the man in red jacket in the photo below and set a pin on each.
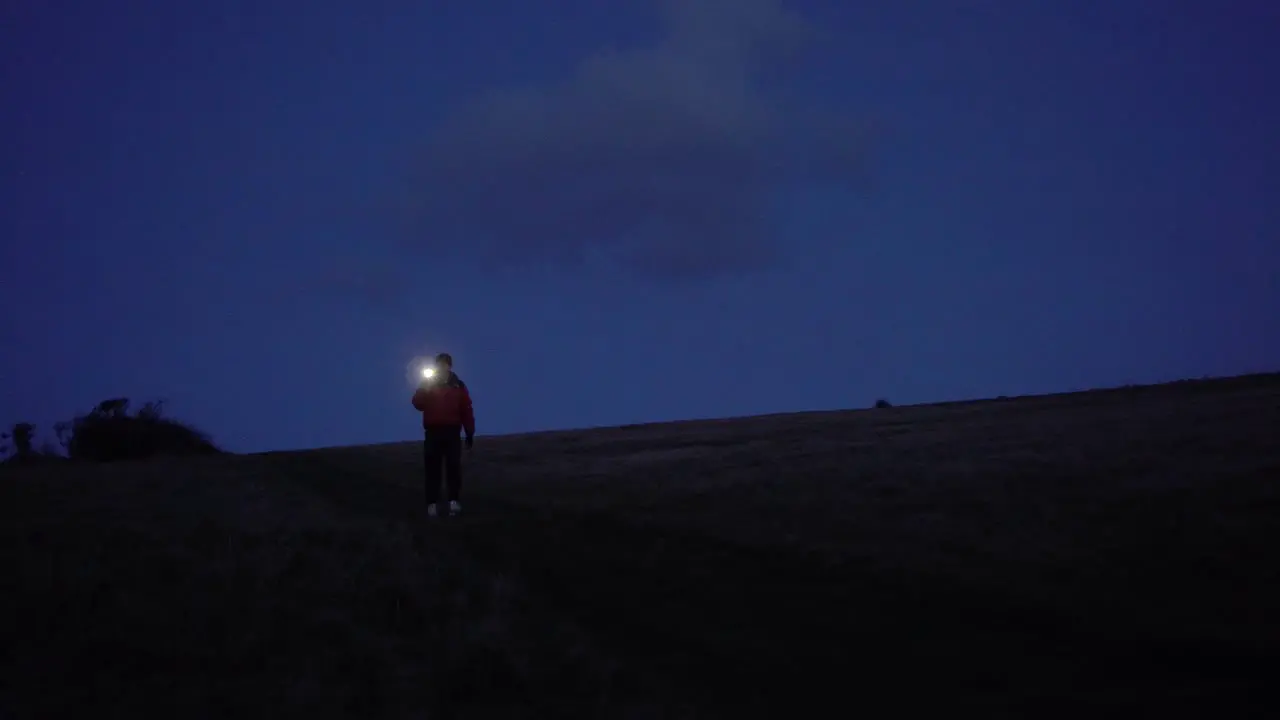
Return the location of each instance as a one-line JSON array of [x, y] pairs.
[[445, 404]]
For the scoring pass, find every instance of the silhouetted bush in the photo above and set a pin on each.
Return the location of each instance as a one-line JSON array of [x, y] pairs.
[[20, 446], [109, 433], [882, 403], [22, 436]]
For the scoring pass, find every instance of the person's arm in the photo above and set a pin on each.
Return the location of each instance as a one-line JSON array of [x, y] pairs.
[[468, 414], [420, 399]]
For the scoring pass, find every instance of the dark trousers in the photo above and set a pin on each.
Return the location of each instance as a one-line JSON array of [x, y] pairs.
[[442, 450]]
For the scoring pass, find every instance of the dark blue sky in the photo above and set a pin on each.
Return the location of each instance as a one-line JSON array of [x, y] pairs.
[[623, 211]]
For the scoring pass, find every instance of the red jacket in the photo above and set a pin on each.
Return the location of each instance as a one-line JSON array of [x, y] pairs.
[[446, 404]]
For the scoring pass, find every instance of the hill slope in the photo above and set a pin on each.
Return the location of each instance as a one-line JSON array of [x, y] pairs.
[[1041, 554]]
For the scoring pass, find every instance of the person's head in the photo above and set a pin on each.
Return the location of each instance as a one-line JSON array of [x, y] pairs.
[[444, 364]]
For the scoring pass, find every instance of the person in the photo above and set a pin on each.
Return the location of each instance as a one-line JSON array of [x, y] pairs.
[[445, 404]]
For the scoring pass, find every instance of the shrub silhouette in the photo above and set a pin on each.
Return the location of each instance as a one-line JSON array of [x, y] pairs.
[[882, 403], [22, 442], [109, 433], [21, 447]]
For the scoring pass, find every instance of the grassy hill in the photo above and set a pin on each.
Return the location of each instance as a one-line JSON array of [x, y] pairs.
[[1031, 557]]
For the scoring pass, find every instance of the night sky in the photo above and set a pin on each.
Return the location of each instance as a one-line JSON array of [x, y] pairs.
[[616, 211]]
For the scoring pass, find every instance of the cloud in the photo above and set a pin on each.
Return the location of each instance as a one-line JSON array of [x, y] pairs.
[[666, 159]]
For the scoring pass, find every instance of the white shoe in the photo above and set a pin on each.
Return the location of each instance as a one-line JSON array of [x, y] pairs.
[[431, 510], [455, 507]]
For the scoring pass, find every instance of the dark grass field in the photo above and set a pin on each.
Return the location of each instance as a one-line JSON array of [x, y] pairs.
[[1110, 553]]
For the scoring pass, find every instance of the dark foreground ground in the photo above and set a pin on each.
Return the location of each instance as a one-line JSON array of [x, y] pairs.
[[1110, 552]]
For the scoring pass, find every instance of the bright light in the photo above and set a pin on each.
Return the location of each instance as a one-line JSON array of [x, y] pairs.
[[428, 372]]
